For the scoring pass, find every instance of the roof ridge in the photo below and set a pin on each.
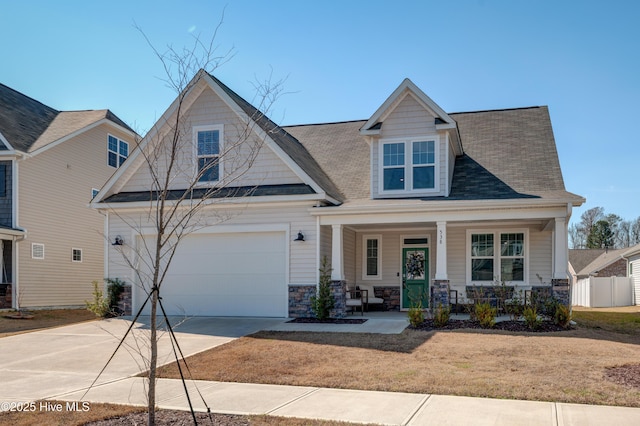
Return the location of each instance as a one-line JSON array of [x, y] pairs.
[[324, 123], [499, 109]]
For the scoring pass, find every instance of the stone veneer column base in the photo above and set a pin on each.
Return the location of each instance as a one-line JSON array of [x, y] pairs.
[[561, 290], [439, 294], [339, 293], [300, 300]]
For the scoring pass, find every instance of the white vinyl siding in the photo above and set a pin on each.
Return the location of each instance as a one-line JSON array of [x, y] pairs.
[[54, 188], [302, 257], [634, 270], [267, 168]]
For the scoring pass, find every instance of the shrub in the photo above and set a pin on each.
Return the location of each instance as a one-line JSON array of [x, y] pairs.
[[514, 306], [441, 316], [99, 305], [530, 314], [415, 314], [562, 316], [485, 315], [115, 287], [323, 301]]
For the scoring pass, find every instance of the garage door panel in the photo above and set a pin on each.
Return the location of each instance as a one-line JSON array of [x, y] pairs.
[[238, 274]]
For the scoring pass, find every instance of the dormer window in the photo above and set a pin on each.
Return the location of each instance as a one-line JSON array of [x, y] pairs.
[[208, 144], [408, 166]]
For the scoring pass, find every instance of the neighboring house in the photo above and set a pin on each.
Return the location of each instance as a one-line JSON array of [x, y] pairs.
[[633, 258], [51, 165], [479, 196], [604, 277]]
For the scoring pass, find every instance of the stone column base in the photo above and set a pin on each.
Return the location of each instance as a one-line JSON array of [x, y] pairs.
[[439, 294]]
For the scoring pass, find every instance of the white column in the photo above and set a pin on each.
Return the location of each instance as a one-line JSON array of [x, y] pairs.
[[561, 249], [441, 251], [337, 272]]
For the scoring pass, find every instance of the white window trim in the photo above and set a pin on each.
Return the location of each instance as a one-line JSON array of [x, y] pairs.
[[33, 246], [117, 153], [408, 165], [220, 129], [366, 237], [496, 250], [81, 255]]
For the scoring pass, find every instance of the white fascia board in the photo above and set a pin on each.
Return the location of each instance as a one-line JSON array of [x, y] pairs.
[[5, 142], [80, 131], [283, 156], [137, 159], [397, 94]]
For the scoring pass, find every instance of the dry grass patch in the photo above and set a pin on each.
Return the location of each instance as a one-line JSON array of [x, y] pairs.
[[42, 319], [566, 366]]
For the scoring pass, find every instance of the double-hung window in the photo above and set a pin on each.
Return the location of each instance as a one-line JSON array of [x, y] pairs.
[[371, 259], [208, 149], [497, 256], [409, 165], [117, 150]]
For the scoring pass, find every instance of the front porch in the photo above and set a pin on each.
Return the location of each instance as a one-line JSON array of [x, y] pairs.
[[525, 251]]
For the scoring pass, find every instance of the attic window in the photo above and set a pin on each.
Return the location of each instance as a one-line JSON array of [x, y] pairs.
[[118, 151], [208, 146]]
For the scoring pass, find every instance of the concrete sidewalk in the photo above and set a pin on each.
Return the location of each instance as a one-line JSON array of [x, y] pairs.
[[356, 406]]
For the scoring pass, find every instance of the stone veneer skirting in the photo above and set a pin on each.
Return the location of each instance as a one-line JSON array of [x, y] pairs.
[[439, 294], [390, 296], [300, 300]]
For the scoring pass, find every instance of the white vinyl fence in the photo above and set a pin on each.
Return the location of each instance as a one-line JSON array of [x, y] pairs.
[[605, 292]]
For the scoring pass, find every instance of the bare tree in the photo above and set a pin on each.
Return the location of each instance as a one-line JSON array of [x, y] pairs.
[[181, 197], [635, 232], [577, 237]]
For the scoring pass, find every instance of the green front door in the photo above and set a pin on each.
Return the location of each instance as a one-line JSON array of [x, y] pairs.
[[415, 277]]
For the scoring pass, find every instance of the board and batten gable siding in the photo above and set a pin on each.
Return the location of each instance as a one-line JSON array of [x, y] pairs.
[[54, 193], [209, 110], [302, 254], [409, 120], [6, 194]]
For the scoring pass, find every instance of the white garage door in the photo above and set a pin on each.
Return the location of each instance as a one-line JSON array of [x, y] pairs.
[[230, 274]]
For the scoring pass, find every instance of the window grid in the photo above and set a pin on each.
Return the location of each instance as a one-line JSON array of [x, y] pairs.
[[509, 256], [117, 150], [76, 255], [372, 257], [208, 152]]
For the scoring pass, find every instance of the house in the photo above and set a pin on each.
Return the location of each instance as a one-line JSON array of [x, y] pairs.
[[412, 202], [633, 258], [51, 164], [604, 277]]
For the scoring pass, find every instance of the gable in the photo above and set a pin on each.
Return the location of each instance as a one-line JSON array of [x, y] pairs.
[[209, 111]]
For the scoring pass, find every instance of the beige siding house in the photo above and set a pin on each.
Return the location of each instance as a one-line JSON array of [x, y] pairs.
[[411, 203], [53, 242]]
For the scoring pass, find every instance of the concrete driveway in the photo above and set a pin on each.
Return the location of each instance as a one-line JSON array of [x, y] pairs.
[[52, 362]]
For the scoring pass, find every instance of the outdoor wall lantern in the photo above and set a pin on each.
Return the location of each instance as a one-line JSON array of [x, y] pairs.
[[118, 241], [300, 236]]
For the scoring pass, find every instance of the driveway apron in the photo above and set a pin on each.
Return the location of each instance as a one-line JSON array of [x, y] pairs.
[[56, 361]]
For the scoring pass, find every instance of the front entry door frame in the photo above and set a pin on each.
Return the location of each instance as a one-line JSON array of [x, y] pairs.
[[411, 243]]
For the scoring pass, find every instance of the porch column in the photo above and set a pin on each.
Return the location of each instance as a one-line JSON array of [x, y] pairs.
[[561, 249], [441, 251], [337, 271]]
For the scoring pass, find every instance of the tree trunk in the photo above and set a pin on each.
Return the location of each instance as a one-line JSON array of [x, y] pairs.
[[153, 360]]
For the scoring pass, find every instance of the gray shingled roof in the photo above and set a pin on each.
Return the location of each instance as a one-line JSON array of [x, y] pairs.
[[287, 142], [604, 259], [580, 258], [508, 154], [28, 124], [22, 119]]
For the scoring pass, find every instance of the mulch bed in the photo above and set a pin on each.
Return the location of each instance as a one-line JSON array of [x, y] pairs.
[[626, 375], [328, 321], [515, 326], [171, 417]]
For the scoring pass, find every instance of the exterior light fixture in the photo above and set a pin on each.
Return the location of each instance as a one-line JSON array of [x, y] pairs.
[[300, 236], [118, 241]]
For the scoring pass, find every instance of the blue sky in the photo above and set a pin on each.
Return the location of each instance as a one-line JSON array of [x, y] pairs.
[[342, 59]]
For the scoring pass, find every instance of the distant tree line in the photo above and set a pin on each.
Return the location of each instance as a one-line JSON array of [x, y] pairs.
[[599, 230]]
